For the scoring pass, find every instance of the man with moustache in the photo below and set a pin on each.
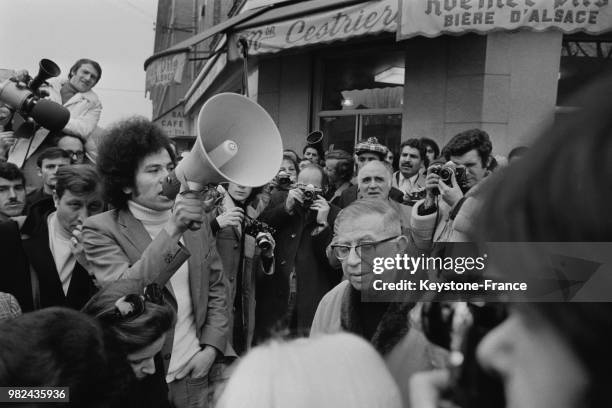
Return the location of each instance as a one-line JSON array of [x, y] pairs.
[[12, 191], [410, 179]]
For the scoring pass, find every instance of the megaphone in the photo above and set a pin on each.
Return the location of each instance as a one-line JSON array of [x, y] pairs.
[[46, 69], [237, 141], [315, 138]]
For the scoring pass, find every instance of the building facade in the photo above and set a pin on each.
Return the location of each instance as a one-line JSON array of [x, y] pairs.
[[394, 70]]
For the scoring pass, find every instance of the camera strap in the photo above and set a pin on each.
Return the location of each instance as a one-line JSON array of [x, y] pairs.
[[456, 208]]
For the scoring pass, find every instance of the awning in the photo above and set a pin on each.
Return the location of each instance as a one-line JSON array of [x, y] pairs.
[[432, 18], [185, 46], [314, 22]]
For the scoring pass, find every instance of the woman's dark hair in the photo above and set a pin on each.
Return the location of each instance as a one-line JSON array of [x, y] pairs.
[[83, 61], [60, 347], [431, 143], [123, 148], [561, 192], [131, 334]]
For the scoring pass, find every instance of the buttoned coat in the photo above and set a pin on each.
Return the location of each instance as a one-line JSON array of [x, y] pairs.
[[118, 247]]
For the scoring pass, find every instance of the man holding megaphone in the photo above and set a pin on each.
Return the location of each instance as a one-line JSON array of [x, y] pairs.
[[148, 236], [159, 233]]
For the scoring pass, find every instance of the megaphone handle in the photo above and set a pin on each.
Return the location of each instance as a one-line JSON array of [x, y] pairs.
[[192, 188]]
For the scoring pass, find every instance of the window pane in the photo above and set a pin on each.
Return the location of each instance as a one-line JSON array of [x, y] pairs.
[[339, 131], [387, 128], [581, 62], [371, 80]]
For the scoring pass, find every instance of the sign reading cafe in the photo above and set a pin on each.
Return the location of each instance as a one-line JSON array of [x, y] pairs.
[[364, 18], [435, 17], [166, 70]]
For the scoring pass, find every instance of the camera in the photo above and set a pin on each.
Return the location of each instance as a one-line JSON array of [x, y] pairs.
[[259, 231], [414, 196], [310, 194], [445, 171], [283, 179], [459, 327], [27, 100]]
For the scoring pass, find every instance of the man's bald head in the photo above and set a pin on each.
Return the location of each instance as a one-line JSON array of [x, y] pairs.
[[374, 180]]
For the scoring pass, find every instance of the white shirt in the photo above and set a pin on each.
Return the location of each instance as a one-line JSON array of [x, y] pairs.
[[407, 185], [61, 249]]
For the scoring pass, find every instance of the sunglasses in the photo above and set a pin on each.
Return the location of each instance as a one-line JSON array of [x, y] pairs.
[[131, 306]]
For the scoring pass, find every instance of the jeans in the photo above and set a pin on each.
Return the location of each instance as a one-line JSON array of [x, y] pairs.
[[198, 392]]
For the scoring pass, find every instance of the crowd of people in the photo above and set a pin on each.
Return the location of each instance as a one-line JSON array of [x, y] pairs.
[[254, 297]]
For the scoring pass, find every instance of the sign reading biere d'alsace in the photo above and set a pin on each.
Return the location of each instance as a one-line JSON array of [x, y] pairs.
[[432, 18]]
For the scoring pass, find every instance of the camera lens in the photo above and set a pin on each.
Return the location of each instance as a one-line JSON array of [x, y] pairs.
[[446, 174]]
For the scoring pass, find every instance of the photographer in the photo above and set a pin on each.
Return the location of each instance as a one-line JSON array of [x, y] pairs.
[[75, 94], [302, 218], [247, 253], [548, 355], [449, 206]]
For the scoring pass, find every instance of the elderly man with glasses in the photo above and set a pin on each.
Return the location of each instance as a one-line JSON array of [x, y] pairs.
[[365, 230]]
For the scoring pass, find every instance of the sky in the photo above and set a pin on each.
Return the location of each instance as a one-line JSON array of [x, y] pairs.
[[118, 34]]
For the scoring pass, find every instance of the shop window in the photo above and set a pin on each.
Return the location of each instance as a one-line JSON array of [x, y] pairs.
[[361, 96], [583, 59]]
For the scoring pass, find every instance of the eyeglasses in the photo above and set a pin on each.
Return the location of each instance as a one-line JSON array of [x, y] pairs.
[[79, 155], [131, 306], [342, 251]]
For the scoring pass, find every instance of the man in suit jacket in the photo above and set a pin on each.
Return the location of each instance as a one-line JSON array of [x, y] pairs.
[[51, 239], [147, 237], [287, 299]]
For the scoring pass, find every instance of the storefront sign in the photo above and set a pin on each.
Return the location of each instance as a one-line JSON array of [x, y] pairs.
[[175, 123], [361, 19], [166, 70], [435, 17]]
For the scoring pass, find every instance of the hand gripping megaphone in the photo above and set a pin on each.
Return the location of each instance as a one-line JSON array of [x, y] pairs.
[[237, 141]]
